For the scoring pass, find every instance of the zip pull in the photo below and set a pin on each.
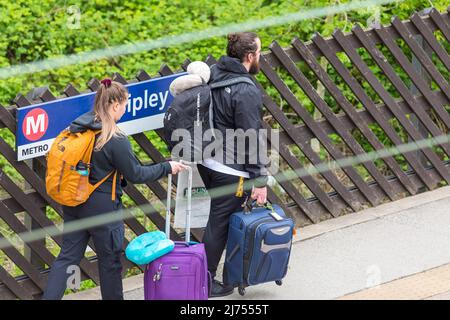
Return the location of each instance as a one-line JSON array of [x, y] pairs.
[[157, 275]]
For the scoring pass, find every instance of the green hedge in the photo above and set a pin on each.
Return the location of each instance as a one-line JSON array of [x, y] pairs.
[[33, 30]]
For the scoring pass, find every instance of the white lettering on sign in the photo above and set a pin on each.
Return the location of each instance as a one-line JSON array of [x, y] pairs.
[[35, 125], [34, 150], [152, 101]]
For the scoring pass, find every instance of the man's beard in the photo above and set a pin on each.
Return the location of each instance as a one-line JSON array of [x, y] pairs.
[[254, 67]]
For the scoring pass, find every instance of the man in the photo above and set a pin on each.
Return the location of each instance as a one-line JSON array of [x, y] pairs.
[[238, 106]]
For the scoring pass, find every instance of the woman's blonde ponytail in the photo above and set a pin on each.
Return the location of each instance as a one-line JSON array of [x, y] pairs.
[[109, 92]]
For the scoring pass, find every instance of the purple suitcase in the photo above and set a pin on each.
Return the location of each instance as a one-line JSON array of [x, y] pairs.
[[182, 274]]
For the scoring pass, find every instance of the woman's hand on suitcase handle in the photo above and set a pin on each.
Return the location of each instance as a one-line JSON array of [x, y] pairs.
[[177, 166], [260, 195]]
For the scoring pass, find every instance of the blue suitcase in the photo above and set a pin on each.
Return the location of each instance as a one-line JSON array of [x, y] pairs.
[[259, 246]]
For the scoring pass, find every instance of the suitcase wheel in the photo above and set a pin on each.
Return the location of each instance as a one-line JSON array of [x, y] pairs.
[[241, 291], [279, 282]]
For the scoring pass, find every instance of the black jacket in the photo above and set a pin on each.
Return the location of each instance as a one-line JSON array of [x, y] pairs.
[[238, 107], [117, 154]]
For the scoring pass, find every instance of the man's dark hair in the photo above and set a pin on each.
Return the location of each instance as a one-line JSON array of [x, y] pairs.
[[240, 44]]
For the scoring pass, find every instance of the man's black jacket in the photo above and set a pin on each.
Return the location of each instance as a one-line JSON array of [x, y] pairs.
[[238, 107]]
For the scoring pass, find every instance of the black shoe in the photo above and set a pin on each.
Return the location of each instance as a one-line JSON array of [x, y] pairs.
[[219, 290]]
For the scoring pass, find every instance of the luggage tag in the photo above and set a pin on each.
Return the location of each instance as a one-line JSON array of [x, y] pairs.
[[276, 216], [273, 213]]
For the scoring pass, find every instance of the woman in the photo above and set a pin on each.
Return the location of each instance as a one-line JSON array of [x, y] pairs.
[[112, 151]]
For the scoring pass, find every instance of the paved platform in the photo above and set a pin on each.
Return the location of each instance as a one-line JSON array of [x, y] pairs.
[[432, 284], [399, 250]]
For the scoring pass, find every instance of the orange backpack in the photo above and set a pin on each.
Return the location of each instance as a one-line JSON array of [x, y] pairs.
[[68, 167]]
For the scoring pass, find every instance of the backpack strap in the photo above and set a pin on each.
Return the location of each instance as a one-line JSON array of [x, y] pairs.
[[114, 182], [230, 82], [113, 192], [223, 84]]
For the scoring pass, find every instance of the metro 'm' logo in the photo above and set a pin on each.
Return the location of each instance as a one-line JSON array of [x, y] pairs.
[[35, 124]]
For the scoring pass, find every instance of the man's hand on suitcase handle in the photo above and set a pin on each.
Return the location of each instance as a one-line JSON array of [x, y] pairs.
[[260, 195], [177, 166]]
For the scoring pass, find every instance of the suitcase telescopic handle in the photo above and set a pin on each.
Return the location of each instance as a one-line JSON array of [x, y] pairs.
[[188, 209]]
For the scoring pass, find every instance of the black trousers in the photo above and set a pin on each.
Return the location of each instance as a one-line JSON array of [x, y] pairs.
[[108, 241], [216, 233]]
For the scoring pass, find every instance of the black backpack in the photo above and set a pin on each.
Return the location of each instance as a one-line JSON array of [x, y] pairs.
[[192, 110]]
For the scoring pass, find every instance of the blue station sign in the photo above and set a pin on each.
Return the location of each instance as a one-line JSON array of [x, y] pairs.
[[39, 124]]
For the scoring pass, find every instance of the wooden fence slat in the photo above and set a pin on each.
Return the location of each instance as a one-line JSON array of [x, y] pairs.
[[273, 198], [440, 23], [312, 156], [41, 250], [12, 285], [7, 118], [156, 157], [351, 112], [17, 226], [297, 166], [380, 117], [32, 178], [325, 110], [321, 136], [15, 207], [387, 99], [417, 80], [70, 91], [280, 117], [288, 187], [154, 215], [419, 83], [41, 219], [379, 59], [305, 134], [142, 75], [23, 264], [309, 181], [299, 200], [26, 283], [291, 190], [421, 55], [431, 40]]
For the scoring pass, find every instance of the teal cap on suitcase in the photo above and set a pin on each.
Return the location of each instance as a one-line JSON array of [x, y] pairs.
[[148, 247]]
